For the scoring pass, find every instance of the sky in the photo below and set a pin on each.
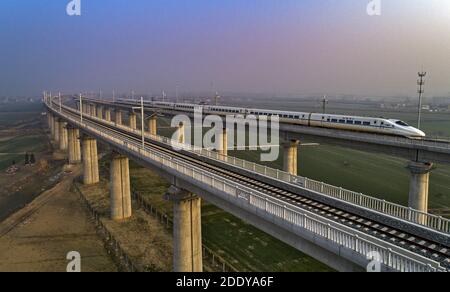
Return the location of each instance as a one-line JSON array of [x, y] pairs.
[[255, 46]]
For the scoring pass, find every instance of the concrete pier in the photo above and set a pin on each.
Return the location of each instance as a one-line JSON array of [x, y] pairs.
[[108, 115], [63, 136], [118, 118], [187, 230], [152, 125], [74, 145], [222, 145], [56, 130], [132, 118], [90, 161], [49, 120], [100, 112], [419, 185], [93, 110], [290, 162], [52, 126], [181, 135], [120, 188]]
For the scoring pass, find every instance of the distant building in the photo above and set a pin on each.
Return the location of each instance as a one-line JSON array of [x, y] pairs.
[[426, 107]]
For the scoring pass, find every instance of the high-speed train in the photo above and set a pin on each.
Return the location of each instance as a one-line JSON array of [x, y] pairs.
[[352, 123]]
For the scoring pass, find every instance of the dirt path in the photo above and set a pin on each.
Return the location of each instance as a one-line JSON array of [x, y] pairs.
[[39, 236]]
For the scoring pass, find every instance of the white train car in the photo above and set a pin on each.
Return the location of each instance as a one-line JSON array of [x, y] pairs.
[[342, 122], [365, 124]]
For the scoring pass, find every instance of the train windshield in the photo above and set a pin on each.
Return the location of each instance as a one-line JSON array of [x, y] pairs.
[[401, 123]]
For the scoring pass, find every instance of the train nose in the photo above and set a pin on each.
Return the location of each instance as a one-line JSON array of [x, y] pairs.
[[419, 133]]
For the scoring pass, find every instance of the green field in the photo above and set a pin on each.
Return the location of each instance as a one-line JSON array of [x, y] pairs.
[[14, 144], [17, 113], [242, 245], [15, 148]]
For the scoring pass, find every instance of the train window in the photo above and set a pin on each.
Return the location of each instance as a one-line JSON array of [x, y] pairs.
[[358, 122], [366, 123], [342, 121], [297, 117], [291, 117], [400, 123], [349, 122], [328, 119], [334, 120]]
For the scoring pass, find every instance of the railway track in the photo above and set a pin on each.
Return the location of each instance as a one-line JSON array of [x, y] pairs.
[[424, 247]]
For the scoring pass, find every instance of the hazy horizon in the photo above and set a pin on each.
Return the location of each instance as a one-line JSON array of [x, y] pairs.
[[255, 46]]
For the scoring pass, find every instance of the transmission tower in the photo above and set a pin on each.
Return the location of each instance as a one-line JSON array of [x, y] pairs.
[[421, 91]]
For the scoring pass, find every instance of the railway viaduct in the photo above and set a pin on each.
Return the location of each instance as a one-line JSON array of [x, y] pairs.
[[422, 154], [272, 200]]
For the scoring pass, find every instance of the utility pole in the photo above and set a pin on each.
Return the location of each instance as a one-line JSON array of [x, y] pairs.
[[324, 104], [421, 91]]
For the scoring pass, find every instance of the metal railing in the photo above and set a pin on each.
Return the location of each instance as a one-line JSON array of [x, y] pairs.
[[275, 210], [428, 220]]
